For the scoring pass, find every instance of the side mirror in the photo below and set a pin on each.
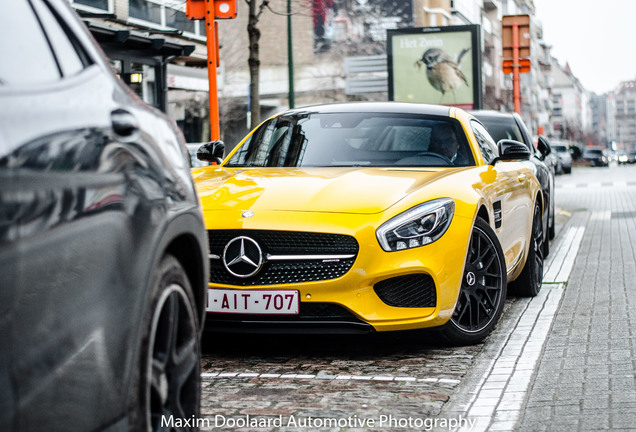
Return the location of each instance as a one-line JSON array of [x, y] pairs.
[[544, 146], [211, 152], [510, 150]]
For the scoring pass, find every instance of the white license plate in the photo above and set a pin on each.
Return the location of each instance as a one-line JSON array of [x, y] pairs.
[[265, 302]]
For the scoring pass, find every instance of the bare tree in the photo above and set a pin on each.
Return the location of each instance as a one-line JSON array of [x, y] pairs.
[[256, 8]]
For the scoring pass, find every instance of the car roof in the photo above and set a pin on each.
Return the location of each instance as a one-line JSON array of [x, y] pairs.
[[491, 114], [384, 107]]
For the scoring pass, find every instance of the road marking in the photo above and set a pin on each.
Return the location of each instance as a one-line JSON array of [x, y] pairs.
[[616, 184], [601, 215], [561, 261], [234, 375], [499, 397], [496, 400]]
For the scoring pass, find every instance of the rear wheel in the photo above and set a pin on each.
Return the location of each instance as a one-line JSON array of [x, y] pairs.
[[528, 284], [168, 380], [483, 290]]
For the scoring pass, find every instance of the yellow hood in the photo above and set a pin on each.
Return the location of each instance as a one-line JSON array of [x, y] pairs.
[[333, 190]]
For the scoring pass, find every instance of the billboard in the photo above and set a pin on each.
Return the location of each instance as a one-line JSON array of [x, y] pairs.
[[358, 24], [436, 65]]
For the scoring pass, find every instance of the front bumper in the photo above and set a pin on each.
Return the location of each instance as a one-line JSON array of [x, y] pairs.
[[380, 291]]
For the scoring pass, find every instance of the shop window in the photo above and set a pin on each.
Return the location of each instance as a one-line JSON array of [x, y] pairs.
[[142, 82]]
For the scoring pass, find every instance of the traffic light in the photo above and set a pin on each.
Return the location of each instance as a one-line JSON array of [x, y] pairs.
[[222, 9]]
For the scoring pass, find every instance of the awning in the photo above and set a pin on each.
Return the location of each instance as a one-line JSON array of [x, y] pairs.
[[136, 43]]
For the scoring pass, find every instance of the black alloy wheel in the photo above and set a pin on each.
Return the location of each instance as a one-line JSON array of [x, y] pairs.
[[529, 282], [170, 380], [483, 290]]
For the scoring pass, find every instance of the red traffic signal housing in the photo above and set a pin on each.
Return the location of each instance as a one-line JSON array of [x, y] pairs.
[[223, 9]]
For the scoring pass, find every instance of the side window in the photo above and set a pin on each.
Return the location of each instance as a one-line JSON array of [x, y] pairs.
[[486, 144], [70, 55], [27, 58]]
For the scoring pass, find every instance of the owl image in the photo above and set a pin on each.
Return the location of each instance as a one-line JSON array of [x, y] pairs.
[[442, 71]]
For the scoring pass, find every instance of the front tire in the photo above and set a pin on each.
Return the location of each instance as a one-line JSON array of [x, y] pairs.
[[168, 381], [529, 282], [483, 290]]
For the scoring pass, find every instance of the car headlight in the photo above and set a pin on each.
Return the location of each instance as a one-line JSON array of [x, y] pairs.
[[418, 226]]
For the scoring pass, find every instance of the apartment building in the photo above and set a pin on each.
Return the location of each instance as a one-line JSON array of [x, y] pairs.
[[624, 98], [571, 111]]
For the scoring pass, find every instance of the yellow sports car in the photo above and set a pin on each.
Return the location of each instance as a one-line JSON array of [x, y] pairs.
[[369, 217]]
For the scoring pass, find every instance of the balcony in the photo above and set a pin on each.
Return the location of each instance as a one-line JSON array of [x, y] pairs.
[[491, 5]]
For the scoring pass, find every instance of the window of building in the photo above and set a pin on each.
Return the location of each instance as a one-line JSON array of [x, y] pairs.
[[102, 5], [164, 14]]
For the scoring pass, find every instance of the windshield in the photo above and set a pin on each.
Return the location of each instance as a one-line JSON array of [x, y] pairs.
[[594, 152], [559, 148], [502, 128], [311, 139]]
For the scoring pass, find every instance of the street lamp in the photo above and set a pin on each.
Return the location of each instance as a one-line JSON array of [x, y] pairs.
[[290, 56]]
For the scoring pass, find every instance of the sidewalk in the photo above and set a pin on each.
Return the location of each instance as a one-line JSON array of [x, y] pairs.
[[587, 376], [569, 362]]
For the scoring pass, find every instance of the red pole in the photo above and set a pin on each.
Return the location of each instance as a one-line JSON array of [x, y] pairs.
[[516, 90], [212, 48]]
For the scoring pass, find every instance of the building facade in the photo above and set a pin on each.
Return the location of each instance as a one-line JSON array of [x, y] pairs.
[[162, 56], [158, 52], [624, 133]]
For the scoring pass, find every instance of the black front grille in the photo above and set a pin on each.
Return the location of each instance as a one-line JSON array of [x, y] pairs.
[[416, 290], [279, 243]]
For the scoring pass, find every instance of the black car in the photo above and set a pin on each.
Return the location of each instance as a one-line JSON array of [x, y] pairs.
[[103, 257], [502, 125], [596, 157]]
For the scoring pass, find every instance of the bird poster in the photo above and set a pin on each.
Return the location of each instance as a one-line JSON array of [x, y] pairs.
[[435, 65]]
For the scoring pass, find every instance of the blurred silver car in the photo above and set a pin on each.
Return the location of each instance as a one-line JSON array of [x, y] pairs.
[[562, 150]]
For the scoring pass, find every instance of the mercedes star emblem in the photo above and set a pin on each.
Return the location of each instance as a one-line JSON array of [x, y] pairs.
[[242, 257], [470, 278], [247, 214]]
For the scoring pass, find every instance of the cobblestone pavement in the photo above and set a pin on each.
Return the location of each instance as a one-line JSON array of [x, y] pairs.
[[346, 378]]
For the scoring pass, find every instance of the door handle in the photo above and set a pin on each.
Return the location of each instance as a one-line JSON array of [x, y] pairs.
[[124, 123]]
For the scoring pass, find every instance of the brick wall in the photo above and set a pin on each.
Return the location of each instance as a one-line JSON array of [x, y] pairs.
[[273, 42]]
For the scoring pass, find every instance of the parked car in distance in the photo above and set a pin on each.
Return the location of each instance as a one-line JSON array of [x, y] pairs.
[[596, 157], [502, 125], [626, 157], [364, 217], [103, 255], [562, 149]]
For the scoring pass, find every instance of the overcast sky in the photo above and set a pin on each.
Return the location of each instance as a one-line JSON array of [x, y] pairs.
[[597, 39]]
